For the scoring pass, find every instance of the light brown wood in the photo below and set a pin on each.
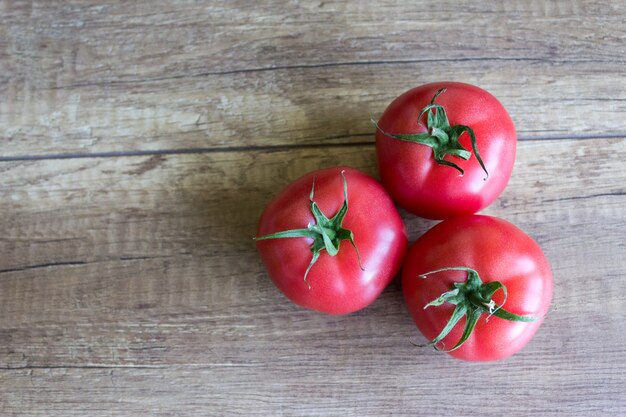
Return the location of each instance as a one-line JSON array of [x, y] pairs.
[[129, 281], [301, 106], [111, 77], [137, 275]]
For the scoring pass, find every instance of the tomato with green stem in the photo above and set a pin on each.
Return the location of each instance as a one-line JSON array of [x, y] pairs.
[[445, 149], [332, 240], [477, 287]]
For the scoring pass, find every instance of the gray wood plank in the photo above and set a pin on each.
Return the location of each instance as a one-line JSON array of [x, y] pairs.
[[376, 387], [117, 77], [130, 286]]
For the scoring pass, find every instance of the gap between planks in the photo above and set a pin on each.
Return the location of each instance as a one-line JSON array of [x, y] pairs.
[[390, 62], [133, 366], [268, 148]]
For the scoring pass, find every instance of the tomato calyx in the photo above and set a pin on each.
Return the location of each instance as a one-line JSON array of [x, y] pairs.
[[327, 234], [472, 298], [440, 136]]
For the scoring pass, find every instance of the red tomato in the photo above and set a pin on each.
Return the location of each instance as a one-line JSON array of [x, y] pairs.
[[409, 171], [497, 251], [342, 283]]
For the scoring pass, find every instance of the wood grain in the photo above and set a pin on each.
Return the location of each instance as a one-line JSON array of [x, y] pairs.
[[112, 41], [111, 77], [131, 285], [140, 141]]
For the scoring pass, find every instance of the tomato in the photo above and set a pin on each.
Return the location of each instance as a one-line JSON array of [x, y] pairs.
[[319, 272], [516, 286], [422, 140]]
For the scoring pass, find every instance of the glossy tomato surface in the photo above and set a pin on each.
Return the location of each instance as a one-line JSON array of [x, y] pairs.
[[338, 285], [422, 186], [498, 251]]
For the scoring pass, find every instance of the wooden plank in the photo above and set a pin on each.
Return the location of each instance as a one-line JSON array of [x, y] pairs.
[[124, 77], [108, 41], [131, 286], [83, 203], [377, 386], [148, 261], [297, 107]]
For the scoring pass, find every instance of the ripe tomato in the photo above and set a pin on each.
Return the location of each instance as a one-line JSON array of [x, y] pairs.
[[301, 231], [498, 252], [424, 177]]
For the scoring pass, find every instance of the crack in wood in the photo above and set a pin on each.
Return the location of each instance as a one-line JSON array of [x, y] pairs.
[[325, 65], [46, 265], [273, 148], [87, 366], [586, 197]]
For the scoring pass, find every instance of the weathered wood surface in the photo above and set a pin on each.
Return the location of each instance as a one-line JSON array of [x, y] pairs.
[[137, 275], [93, 77], [129, 283]]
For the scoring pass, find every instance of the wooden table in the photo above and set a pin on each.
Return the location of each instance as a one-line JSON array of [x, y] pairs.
[[140, 142]]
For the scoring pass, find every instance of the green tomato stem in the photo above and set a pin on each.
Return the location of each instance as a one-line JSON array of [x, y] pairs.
[[327, 234], [441, 137], [472, 298]]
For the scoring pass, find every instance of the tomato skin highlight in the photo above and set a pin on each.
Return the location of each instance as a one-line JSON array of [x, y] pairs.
[[498, 251], [416, 181], [338, 285]]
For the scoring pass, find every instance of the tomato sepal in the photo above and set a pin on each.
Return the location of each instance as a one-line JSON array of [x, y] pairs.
[[441, 137], [472, 299], [327, 234]]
